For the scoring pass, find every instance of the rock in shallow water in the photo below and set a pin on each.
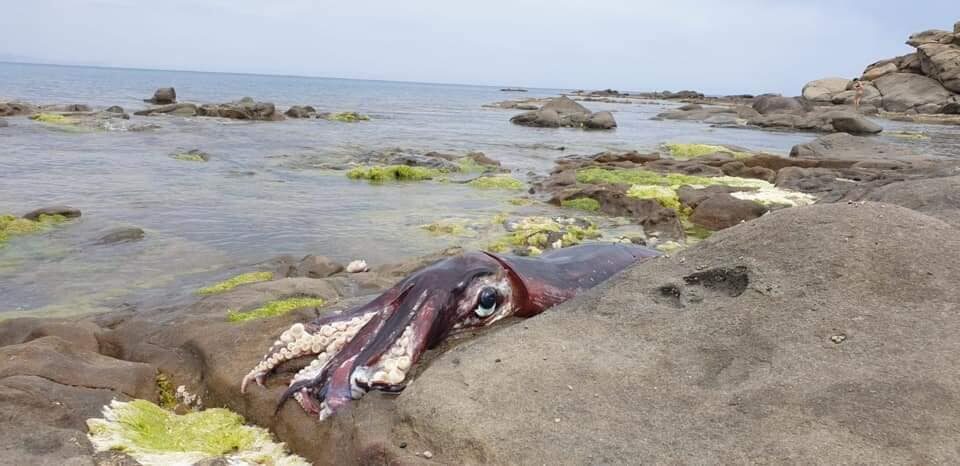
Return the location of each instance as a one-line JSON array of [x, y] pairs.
[[66, 211], [163, 95]]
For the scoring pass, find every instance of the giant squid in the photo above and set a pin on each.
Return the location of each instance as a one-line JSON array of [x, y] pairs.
[[374, 346]]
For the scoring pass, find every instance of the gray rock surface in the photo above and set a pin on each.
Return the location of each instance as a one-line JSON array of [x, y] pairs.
[[905, 92], [766, 104], [788, 337]]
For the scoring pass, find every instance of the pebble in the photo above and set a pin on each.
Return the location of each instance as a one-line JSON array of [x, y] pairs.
[[838, 338], [403, 444], [557, 420], [428, 454]]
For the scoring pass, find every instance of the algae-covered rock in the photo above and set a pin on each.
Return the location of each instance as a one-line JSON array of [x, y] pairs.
[[155, 436], [532, 235], [193, 155], [384, 173], [346, 117], [15, 226], [685, 151]]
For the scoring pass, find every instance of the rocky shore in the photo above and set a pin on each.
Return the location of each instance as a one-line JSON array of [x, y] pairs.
[[804, 309], [770, 319]]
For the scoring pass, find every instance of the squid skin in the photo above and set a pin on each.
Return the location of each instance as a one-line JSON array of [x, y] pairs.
[[374, 346]]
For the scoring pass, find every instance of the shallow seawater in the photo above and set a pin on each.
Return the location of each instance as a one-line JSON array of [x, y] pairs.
[[259, 195]]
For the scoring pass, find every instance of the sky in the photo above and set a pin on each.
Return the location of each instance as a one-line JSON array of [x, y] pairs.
[[714, 46]]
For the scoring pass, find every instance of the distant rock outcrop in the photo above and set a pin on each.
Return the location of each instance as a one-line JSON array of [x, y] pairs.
[[926, 81], [564, 112]]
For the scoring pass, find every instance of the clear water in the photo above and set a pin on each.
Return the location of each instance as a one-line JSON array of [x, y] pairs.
[[259, 197]]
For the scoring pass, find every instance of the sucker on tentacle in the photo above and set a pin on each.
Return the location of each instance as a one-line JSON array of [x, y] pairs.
[[374, 346]]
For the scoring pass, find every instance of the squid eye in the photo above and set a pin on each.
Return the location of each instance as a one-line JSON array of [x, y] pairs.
[[486, 302]]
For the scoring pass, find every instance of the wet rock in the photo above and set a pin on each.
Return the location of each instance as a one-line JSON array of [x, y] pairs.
[[16, 108], [724, 211], [739, 169], [170, 109], [692, 197], [482, 159], [613, 200], [114, 109], [80, 335], [600, 120], [243, 109], [563, 112], [318, 267], [163, 96], [121, 235], [114, 458], [60, 361], [745, 338], [301, 111], [855, 124], [66, 211]]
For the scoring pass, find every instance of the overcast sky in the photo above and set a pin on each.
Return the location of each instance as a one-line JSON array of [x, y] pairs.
[[716, 46]]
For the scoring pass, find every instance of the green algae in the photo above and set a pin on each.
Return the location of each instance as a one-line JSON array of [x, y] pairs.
[[685, 151], [497, 182], [11, 225], [520, 201], [468, 165], [539, 233], [640, 176], [582, 203], [233, 282], [52, 119], [156, 436], [166, 396], [347, 117], [274, 308], [665, 195], [668, 247], [385, 173]]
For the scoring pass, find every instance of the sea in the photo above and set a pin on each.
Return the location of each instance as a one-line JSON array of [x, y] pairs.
[[267, 189]]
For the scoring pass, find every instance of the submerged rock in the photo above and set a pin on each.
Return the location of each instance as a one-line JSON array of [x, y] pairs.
[[301, 111], [171, 109], [121, 235], [16, 108], [243, 109]]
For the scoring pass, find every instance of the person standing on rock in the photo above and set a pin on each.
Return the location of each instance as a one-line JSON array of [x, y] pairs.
[[858, 92]]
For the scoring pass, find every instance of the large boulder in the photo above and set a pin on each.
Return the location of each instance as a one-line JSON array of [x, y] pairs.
[[822, 90], [908, 92], [875, 72], [538, 119], [766, 104], [789, 338], [941, 62], [63, 210], [853, 123], [600, 120], [848, 147], [565, 106], [163, 96]]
